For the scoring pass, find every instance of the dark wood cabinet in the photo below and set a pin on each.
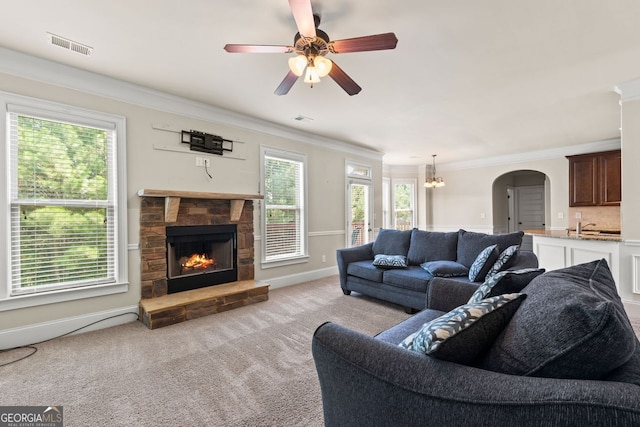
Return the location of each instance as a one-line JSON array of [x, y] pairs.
[[610, 178], [595, 179]]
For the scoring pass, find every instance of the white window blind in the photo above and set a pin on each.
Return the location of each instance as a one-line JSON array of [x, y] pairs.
[[63, 206], [284, 235]]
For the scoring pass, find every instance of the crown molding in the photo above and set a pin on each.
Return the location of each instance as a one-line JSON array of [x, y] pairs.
[[552, 153], [628, 91], [54, 73]]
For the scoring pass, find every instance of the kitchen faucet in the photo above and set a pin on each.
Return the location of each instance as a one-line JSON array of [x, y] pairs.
[[579, 226]]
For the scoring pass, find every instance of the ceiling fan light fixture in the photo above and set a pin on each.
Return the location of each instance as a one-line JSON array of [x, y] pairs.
[[323, 65], [311, 75], [312, 44], [297, 64]]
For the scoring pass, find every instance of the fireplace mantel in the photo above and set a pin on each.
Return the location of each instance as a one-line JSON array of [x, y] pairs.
[[172, 200]]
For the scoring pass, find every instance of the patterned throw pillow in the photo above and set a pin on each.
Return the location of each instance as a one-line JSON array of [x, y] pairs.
[[466, 332], [505, 282], [390, 261], [445, 268], [484, 261], [503, 261]]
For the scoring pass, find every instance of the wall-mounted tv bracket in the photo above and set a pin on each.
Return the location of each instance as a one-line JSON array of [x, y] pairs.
[[206, 143]]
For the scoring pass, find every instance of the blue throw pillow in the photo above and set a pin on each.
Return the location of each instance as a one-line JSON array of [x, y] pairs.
[[505, 258], [505, 282], [471, 243], [390, 261], [466, 332], [445, 268], [484, 261]]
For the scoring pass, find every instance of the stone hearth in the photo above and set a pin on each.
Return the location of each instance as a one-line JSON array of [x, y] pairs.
[[160, 208]]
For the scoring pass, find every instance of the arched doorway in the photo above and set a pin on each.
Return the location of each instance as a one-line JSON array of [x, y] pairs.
[[520, 202]]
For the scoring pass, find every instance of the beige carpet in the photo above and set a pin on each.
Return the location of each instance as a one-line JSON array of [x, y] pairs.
[[247, 367]]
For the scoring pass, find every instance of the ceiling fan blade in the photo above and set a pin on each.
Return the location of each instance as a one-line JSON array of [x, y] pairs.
[[365, 43], [286, 84], [303, 14], [255, 48], [344, 81]]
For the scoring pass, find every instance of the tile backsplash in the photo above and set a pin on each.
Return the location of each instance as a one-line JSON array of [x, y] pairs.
[[605, 217]]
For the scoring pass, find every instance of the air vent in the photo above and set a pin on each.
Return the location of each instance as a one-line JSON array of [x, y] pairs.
[[69, 44]]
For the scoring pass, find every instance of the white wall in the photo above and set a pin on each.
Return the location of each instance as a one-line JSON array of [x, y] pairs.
[[157, 160]]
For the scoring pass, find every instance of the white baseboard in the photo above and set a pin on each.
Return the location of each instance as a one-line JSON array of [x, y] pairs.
[[31, 334], [294, 279], [632, 308]]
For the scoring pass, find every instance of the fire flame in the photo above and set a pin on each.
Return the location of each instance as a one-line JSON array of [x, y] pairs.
[[198, 261]]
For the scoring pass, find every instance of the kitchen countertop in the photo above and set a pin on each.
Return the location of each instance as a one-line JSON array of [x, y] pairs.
[[585, 235]]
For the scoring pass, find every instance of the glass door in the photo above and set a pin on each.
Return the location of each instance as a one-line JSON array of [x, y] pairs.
[[359, 214]]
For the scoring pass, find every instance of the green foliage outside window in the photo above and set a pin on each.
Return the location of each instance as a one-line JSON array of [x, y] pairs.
[[62, 188], [282, 181]]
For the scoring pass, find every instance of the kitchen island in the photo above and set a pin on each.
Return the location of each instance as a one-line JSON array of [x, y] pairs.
[[559, 249]]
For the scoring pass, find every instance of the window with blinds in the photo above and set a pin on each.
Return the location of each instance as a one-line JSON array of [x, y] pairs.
[[283, 207], [63, 216], [404, 204]]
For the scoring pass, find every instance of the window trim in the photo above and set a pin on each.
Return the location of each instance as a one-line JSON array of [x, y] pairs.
[[266, 151], [352, 165], [357, 179], [403, 181], [58, 112], [386, 202]]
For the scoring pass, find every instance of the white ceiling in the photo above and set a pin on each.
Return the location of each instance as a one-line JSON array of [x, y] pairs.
[[468, 79]]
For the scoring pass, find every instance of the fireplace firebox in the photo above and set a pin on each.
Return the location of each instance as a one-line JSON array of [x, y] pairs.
[[200, 256]]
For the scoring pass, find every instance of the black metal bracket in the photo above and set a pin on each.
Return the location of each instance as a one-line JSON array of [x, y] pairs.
[[206, 143]]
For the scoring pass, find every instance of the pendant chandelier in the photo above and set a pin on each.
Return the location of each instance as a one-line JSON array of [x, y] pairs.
[[434, 181]]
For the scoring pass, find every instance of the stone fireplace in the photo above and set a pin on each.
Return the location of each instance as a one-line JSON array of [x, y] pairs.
[[216, 228]]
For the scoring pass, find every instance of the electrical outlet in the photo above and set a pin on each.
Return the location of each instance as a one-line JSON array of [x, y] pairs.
[[578, 215], [324, 258], [207, 163], [560, 215], [199, 161]]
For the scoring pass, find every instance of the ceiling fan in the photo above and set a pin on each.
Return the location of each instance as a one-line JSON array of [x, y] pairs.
[[312, 45]]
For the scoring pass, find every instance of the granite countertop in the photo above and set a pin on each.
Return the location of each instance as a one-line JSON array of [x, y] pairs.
[[571, 234]]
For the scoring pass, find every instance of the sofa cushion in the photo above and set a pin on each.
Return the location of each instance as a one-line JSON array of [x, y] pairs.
[[505, 260], [412, 278], [390, 261], [365, 270], [445, 268], [432, 246], [572, 325], [630, 371], [396, 334], [466, 332], [392, 242], [470, 244], [505, 282], [483, 263]]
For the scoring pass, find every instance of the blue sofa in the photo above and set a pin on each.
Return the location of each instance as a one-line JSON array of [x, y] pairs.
[[565, 356], [428, 255]]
